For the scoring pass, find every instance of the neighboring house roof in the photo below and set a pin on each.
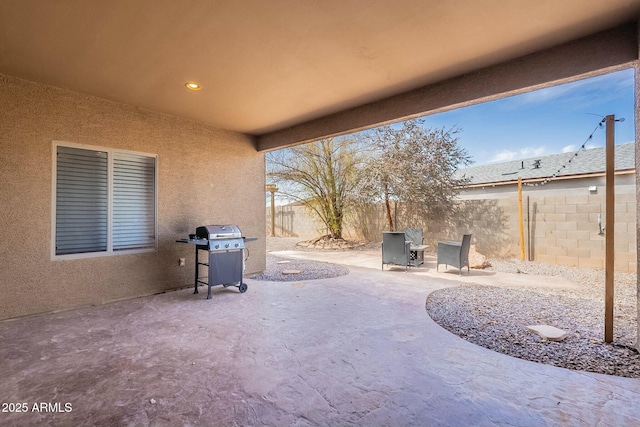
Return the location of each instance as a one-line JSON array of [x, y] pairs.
[[585, 162]]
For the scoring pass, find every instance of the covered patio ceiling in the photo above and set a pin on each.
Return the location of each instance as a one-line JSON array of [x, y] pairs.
[[293, 70]]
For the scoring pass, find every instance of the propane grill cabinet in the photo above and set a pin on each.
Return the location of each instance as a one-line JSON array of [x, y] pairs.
[[225, 262]]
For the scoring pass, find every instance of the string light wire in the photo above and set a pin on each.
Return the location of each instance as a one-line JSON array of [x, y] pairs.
[[564, 166]]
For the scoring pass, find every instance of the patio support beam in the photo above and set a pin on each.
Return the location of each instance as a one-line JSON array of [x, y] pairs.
[[609, 229], [637, 120], [610, 50]]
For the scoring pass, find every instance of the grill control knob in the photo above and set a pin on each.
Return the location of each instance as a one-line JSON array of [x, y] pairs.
[[237, 245], [217, 246], [226, 246]]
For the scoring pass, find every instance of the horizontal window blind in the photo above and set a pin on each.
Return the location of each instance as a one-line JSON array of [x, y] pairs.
[[105, 201], [82, 197], [133, 201]]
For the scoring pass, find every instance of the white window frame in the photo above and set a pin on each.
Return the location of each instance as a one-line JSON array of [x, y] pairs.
[[110, 158]]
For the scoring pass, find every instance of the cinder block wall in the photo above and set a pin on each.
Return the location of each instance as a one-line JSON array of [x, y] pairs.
[[206, 175], [560, 222], [295, 221], [298, 221]]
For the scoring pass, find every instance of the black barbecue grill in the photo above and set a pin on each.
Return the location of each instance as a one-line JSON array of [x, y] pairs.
[[226, 248]]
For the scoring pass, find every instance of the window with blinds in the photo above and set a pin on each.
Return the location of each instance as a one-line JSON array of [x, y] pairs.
[[134, 201], [82, 198], [105, 201]]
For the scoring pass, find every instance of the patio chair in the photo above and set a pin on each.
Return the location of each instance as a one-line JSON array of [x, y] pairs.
[[417, 248], [455, 254], [395, 249]]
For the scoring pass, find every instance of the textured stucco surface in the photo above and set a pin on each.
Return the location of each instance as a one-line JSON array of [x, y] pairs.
[[610, 50], [205, 176]]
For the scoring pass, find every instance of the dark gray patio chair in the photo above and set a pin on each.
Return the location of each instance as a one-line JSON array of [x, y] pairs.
[[395, 249], [416, 252], [455, 254]]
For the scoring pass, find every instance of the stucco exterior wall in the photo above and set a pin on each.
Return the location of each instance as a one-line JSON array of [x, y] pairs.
[[205, 176]]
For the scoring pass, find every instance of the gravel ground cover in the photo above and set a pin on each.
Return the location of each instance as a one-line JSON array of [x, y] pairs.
[[308, 270], [291, 244], [497, 317]]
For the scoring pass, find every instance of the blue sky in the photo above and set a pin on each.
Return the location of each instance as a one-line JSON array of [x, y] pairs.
[[547, 121]]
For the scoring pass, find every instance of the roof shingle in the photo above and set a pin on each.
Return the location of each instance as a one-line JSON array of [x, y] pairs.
[[563, 164]]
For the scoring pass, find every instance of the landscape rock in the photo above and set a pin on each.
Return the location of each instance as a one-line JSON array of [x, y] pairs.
[[476, 259], [326, 242], [548, 332]]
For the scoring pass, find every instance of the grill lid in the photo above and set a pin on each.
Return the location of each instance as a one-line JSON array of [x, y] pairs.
[[213, 232]]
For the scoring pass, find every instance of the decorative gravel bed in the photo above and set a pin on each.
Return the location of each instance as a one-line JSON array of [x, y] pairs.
[[497, 317], [275, 244], [309, 270]]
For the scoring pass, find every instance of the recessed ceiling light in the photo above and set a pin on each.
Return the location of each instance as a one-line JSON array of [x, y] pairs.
[[193, 86]]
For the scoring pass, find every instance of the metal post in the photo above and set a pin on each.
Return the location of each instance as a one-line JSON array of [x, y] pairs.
[[273, 214], [528, 231], [195, 283], [520, 219], [609, 229], [272, 188]]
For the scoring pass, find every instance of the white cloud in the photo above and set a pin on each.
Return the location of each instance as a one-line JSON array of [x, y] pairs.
[[523, 153], [574, 92], [503, 156], [544, 95], [573, 147]]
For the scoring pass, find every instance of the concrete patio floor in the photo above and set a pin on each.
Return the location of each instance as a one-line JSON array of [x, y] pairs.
[[355, 350]]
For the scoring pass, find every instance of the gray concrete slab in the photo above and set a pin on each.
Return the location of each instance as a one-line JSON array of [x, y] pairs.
[[354, 350], [372, 259]]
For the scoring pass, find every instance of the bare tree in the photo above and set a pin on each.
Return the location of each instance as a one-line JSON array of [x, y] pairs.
[[414, 166], [319, 175]]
